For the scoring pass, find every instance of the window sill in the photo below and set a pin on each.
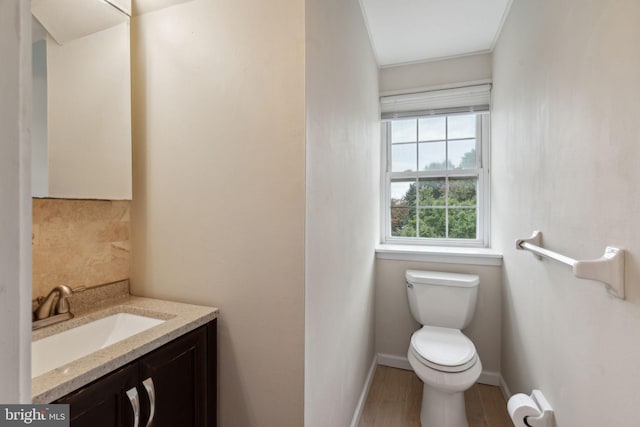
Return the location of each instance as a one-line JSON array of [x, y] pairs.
[[440, 254]]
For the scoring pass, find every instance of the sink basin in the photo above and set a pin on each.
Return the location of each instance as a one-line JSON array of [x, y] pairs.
[[59, 349]]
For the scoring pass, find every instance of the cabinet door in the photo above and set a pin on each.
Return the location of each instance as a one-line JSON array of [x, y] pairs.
[[104, 403], [179, 374]]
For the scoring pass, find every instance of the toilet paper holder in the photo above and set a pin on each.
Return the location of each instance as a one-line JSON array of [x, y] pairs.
[[531, 411]]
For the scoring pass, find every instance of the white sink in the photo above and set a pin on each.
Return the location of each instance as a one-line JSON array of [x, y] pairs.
[[59, 349]]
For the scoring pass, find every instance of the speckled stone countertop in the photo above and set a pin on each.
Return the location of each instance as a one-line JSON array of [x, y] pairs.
[[180, 319]]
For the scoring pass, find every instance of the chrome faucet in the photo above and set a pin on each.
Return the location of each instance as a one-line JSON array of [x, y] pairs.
[[55, 307]]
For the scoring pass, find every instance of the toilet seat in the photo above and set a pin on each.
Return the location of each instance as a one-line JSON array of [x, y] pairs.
[[443, 349]]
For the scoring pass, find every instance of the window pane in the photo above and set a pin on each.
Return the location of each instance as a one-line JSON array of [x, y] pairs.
[[403, 131], [461, 126], [403, 193], [432, 128], [463, 191], [403, 222], [432, 192], [432, 155], [462, 154], [403, 157], [462, 223], [432, 223]]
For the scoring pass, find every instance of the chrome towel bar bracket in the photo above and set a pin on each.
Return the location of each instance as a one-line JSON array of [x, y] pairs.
[[608, 269]]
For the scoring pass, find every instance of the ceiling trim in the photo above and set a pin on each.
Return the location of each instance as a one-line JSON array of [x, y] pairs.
[[496, 37], [363, 11]]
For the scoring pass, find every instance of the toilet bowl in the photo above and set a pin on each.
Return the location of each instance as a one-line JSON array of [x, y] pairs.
[[447, 363], [442, 357]]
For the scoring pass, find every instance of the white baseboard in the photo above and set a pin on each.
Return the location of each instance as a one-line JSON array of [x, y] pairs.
[[394, 361], [365, 392], [490, 378], [506, 393], [486, 377]]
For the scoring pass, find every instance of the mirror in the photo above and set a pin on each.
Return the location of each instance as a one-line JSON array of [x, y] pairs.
[[81, 116]]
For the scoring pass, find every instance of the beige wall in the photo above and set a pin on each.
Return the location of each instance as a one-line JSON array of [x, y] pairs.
[[411, 77], [394, 323], [219, 188], [342, 209], [79, 243], [15, 208], [565, 161]]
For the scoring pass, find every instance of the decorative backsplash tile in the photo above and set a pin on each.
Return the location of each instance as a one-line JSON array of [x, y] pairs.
[[79, 243]]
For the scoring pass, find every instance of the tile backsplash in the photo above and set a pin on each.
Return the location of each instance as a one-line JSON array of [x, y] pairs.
[[79, 243]]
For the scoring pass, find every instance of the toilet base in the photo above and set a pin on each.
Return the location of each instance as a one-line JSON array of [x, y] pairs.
[[443, 393], [442, 409]]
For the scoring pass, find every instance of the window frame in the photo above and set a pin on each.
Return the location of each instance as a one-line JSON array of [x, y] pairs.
[[482, 172]]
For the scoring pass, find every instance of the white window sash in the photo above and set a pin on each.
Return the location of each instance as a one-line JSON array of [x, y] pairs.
[[483, 196]]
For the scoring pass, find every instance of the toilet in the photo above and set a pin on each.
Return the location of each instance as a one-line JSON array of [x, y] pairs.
[[440, 354]]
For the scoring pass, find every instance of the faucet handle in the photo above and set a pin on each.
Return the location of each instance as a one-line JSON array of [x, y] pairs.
[[63, 306]]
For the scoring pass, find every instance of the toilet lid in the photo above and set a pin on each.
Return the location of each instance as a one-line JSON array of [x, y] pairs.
[[443, 349]]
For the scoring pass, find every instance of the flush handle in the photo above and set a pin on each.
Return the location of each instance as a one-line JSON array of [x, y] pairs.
[[132, 394], [409, 285], [148, 385]]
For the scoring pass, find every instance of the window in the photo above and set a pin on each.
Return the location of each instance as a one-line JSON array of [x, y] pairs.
[[436, 177]]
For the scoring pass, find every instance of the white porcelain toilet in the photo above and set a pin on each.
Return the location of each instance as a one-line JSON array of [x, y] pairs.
[[440, 354]]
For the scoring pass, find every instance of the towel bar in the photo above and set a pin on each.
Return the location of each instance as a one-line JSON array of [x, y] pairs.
[[609, 268]]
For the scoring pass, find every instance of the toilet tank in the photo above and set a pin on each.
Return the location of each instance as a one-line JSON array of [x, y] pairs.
[[441, 299]]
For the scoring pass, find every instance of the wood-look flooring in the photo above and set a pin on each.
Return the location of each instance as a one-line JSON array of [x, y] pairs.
[[395, 397]]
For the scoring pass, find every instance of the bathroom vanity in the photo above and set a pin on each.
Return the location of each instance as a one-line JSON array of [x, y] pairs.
[[174, 385], [164, 375]]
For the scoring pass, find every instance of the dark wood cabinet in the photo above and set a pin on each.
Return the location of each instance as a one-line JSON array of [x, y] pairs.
[[175, 386], [179, 373], [104, 403]]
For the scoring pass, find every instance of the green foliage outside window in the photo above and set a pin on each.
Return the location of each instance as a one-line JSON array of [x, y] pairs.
[[423, 210]]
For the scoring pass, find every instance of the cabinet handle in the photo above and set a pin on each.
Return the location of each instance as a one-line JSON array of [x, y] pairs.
[[132, 394], [148, 385]]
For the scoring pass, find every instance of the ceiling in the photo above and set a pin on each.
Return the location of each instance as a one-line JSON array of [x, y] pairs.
[[406, 31], [67, 20]]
